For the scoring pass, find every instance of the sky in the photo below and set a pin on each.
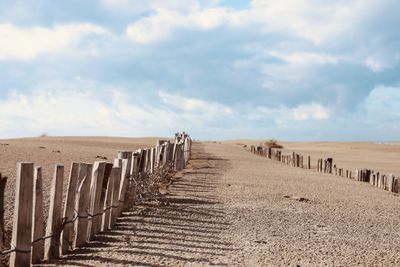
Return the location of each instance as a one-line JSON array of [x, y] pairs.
[[298, 70]]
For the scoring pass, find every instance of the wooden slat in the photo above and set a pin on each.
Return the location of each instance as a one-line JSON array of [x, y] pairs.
[[148, 160], [115, 194], [82, 204], [153, 159], [38, 218], [22, 223], [68, 231], [170, 153], [124, 183], [95, 194], [52, 244], [108, 199]]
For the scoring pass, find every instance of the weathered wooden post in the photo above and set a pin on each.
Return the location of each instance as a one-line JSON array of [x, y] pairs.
[[108, 200], [152, 159], [116, 171], [69, 206], [94, 201], [378, 180], [148, 161], [170, 152], [38, 218], [82, 204], [22, 223], [125, 176], [396, 185], [390, 183], [54, 222]]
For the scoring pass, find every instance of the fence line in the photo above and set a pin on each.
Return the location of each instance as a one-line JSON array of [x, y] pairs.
[[326, 165], [96, 196]]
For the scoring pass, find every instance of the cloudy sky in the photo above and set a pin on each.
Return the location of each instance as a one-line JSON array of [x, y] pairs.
[[219, 69]]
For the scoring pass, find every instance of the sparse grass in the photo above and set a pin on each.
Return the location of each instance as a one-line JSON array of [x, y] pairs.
[[272, 143]]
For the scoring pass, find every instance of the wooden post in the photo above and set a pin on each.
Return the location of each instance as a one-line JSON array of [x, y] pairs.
[[82, 204], [378, 177], [38, 218], [169, 153], [3, 182], [22, 223], [116, 172], [124, 180], [385, 182], [309, 162], [396, 185], [107, 198], [53, 229], [145, 159], [372, 180], [95, 194], [176, 147], [390, 183], [69, 206], [152, 158]]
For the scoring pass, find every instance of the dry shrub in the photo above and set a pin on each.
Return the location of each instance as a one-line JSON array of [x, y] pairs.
[[272, 143], [154, 186]]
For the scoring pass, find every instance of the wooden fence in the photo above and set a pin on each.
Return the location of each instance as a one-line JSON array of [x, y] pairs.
[[326, 165], [96, 195]]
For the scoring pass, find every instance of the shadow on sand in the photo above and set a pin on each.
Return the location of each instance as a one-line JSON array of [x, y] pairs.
[[187, 231]]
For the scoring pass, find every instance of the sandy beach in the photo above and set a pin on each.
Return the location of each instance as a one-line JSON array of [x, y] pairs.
[[48, 151], [233, 208]]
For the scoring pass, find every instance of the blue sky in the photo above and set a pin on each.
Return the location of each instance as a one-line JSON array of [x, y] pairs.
[[293, 70]]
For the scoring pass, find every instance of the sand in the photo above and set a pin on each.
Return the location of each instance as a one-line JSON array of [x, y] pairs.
[[232, 208], [348, 155], [47, 151]]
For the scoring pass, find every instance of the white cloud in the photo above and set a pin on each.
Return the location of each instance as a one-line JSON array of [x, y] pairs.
[[374, 64], [81, 112], [195, 106], [161, 25], [313, 111], [289, 118], [382, 104], [100, 111], [309, 19], [28, 43], [306, 58], [135, 7]]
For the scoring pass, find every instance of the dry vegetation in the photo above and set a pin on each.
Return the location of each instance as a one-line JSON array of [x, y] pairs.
[[272, 143], [153, 186]]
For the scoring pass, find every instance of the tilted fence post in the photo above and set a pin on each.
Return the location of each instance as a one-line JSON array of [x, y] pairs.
[[22, 223], [38, 218], [54, 222]]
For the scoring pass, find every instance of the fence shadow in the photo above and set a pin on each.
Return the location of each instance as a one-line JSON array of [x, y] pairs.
[[185, 231]]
